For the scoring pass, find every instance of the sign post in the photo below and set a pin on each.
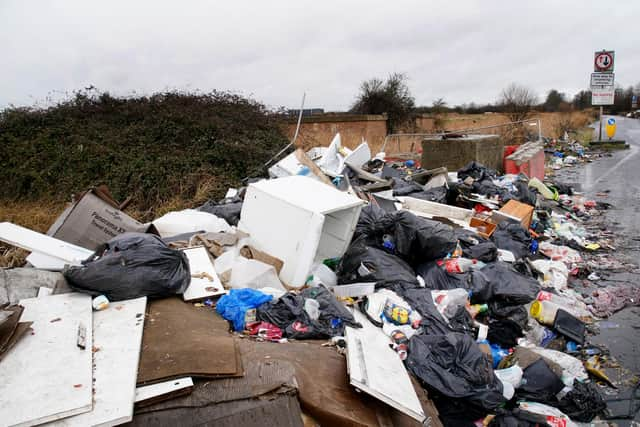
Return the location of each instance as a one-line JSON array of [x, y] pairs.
[[603, 82]]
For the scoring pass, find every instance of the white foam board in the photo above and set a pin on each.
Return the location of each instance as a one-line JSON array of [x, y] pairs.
[[48, 252], [160, 389], [117, 333], [201, 287], [376, 369], [47, 376]]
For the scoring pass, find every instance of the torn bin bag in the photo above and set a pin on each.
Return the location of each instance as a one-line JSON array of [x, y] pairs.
[[132, 265], [476, 247], [454, 365], [362, 263]]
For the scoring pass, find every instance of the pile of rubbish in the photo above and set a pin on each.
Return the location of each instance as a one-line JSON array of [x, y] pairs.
[[449, 297]]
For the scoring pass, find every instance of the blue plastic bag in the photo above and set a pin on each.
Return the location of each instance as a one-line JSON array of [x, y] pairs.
[[235, 304]]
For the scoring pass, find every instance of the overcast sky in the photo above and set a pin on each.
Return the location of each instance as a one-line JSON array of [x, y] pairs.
[[275, 50]]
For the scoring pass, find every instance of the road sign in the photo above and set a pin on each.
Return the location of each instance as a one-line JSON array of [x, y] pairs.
[[602, 80], [602, 96], [634, 101], [603, 61], [611, 127]]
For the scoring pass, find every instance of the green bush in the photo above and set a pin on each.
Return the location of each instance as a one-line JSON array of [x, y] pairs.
[[153, 148]]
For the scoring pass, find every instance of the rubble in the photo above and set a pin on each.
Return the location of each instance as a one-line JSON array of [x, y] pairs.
[[448, 297]]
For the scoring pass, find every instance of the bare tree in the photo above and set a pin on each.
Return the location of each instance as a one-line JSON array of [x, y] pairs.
[[392, 97], [517, 101]]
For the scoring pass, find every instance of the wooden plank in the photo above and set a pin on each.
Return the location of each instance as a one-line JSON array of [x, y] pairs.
[[42, 244], [377, 370], [46, 376], [117, 333], [153, 393], [204, 280], [306, 161]]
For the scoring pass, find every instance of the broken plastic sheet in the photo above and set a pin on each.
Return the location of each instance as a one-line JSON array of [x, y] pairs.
[[132, 265], [454, 366]]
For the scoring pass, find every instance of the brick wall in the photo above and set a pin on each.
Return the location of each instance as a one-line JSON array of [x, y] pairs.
[[320, 130]]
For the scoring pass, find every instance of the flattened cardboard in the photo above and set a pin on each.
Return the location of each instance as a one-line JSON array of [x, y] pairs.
[[181, 340]]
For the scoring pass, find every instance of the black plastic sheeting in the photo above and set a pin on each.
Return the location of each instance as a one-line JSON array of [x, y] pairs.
[[454, 366], [512, 237], [476, 247], [436, 277], [132, 265], [288, 314]]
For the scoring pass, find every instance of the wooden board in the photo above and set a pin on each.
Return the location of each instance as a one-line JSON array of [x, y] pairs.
[[377, 370], [149, 394], [117, 333], [46, 376], [201, 287], [49, 253]]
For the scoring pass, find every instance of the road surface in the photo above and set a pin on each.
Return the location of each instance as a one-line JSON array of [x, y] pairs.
[[619, 174]]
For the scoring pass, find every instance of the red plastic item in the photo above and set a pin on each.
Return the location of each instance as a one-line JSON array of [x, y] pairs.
[[534, 167], [265, 330]]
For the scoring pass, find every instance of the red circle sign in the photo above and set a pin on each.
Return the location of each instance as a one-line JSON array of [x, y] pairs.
[[604, 61]]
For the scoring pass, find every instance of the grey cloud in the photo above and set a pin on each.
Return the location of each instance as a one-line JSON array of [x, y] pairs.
[[460, 50]]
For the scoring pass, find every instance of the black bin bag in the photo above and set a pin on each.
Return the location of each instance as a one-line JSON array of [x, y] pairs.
[[454, 366], [132, 265], [363, 263]]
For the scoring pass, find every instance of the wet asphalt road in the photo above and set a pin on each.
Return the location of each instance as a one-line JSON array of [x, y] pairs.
[[620, 175]]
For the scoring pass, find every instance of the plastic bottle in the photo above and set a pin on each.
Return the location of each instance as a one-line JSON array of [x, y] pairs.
[[400, 343], [476, 309], [544, 312], [460, 265]]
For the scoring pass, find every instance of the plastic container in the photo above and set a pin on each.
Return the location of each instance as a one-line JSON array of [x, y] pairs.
[[569, 326], [321, 274], [544, 312]]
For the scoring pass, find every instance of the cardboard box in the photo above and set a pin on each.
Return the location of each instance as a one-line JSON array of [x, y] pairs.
[[93, 220], [522, 212]]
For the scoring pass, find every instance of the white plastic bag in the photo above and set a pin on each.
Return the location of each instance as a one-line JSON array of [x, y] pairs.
[[189, 221], [555, 273]]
